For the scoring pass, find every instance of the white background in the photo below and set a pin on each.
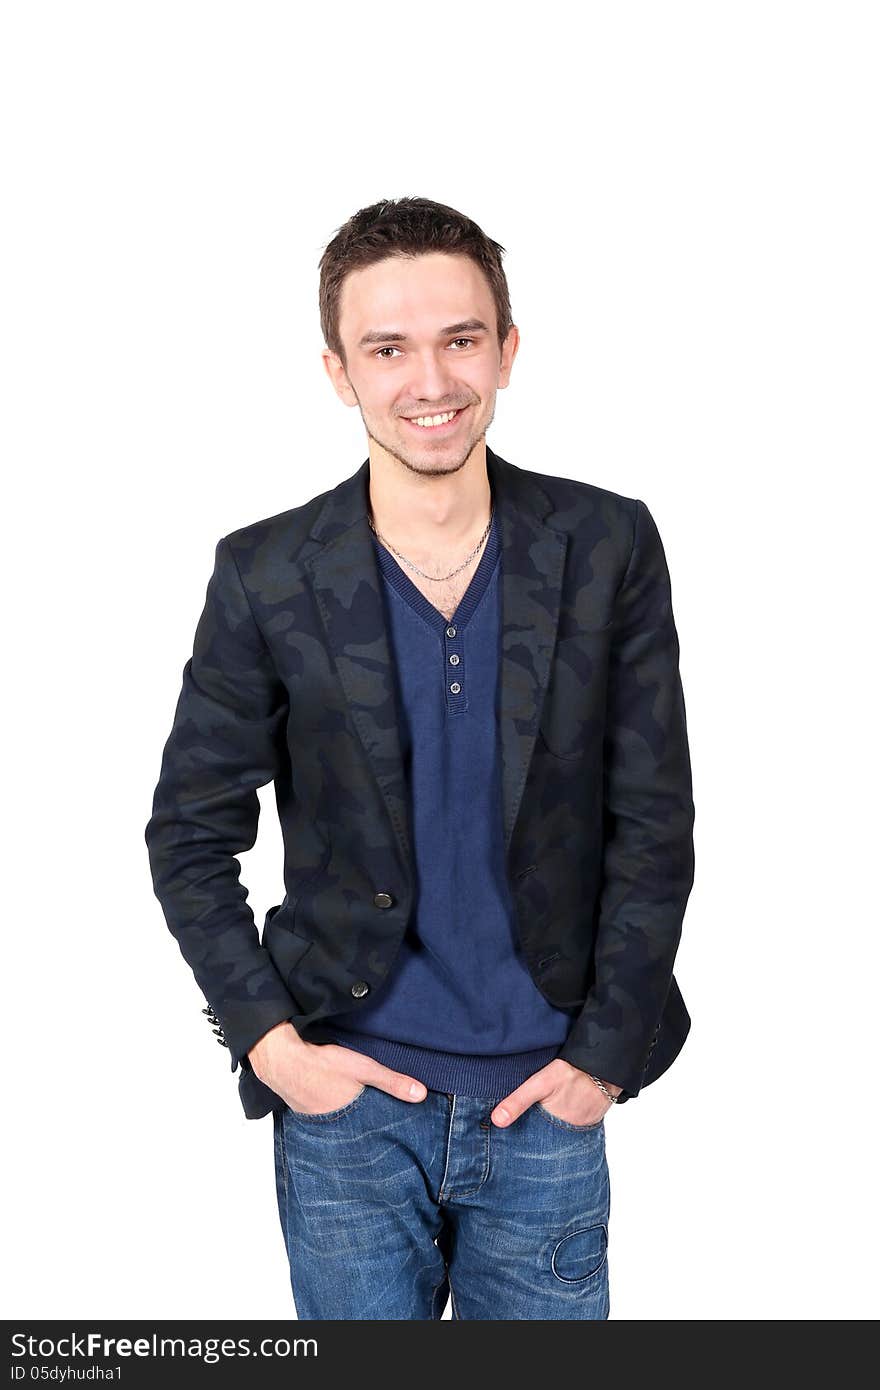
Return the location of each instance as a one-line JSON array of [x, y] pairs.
[[688, 198]]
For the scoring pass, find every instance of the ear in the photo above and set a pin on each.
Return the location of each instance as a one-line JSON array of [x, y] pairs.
[[508, 353], [338, 376]]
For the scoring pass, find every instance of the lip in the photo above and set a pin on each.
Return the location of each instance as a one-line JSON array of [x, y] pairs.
[[436, 431]]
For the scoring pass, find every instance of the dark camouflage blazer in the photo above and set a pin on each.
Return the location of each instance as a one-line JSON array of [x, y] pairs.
[[291, 681]]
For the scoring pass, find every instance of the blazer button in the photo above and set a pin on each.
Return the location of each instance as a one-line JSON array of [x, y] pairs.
[[382, 900], [360, 988]]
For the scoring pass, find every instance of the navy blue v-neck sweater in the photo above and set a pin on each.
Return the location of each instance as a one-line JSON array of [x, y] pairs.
[[461, 1011]]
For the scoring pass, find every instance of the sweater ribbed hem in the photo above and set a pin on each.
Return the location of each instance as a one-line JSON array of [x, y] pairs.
[[487, 1076]]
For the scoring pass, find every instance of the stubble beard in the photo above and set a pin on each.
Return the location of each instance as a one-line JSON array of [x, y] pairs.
[[429, 470]]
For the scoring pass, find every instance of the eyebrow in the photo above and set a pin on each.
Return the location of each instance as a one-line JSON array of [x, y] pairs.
[[379, 335]]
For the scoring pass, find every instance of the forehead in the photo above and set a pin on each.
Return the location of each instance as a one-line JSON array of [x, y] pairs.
[[415, 295]]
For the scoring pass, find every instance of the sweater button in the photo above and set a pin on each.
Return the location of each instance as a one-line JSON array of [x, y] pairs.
[[382, 900], [360, 988]]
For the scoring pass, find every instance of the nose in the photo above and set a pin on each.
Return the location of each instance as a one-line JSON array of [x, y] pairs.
[[431, 381]]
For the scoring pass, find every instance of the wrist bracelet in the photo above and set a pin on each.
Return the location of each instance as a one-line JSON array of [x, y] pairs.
[[603, 1088]]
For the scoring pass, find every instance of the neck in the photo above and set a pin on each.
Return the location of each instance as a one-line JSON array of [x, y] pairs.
[[431, 515]]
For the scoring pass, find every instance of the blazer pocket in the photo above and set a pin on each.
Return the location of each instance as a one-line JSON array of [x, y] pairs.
[[573, 715], [284, 943]]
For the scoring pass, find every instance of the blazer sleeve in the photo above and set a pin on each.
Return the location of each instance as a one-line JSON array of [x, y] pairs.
[[227, 736], [648, 853]]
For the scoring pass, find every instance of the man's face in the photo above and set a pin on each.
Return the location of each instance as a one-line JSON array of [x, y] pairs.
[[420, 340]]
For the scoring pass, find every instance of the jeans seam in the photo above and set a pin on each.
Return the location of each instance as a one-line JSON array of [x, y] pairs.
[[471, 1190], [440, 1195], [455, 1314], [434, 1297], [283, 1148]]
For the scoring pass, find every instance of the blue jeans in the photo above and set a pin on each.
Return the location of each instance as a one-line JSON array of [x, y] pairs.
[[388, 1206]]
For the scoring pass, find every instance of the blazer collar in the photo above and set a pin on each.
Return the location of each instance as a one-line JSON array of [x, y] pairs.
[[348, 591]]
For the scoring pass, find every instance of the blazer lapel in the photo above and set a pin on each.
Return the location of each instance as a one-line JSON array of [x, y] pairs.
[[348, 591], [532, 561]]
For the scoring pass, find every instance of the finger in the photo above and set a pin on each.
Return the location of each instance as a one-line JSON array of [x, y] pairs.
[[363, 1068], [512, 1106], [396, 1083]]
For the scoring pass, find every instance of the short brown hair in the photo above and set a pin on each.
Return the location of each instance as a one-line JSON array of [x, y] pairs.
[[406, 227]]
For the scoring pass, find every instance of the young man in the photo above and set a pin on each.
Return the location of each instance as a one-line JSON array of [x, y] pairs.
[[462, 678]]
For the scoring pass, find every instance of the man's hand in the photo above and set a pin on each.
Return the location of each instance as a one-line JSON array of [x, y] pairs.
[[314, 1077], [571, 1094]]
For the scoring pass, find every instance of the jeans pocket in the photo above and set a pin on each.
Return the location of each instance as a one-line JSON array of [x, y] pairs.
[[330, 1114], [565, 1124]]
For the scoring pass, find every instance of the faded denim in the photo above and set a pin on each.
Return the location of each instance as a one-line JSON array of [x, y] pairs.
[[389, 1207]]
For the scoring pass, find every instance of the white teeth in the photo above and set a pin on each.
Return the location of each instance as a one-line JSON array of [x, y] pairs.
[[429, 421]]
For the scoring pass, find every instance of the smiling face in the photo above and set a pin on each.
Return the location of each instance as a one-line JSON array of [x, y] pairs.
[[420, 341]]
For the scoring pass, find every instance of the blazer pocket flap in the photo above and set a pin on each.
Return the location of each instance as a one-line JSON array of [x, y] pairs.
[[285, 945]]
